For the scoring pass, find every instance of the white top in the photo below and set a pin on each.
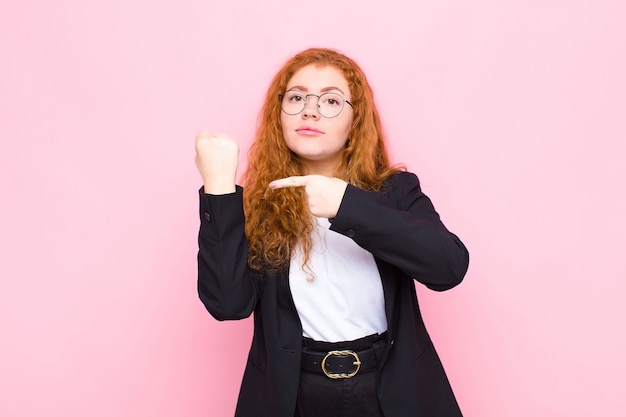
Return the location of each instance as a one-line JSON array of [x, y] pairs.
[[344, 299]]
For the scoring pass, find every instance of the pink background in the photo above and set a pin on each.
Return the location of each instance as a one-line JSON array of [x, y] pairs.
[[513, 113]]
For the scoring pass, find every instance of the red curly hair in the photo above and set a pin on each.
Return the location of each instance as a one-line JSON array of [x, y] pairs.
[[277, 220]]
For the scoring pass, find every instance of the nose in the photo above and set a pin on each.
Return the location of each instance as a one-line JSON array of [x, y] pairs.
[[311, 108]]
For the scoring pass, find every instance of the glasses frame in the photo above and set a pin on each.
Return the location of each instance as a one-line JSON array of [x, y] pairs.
[[306, 100]]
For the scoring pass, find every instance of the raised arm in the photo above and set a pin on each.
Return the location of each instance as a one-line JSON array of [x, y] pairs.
[[228, 288]]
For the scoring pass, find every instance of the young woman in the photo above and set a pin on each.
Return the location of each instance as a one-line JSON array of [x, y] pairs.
[[324, 245]]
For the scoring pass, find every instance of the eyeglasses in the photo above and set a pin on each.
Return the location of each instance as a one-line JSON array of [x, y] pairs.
[[328, 104]]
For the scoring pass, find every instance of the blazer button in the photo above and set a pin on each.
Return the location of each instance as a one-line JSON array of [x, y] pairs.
[[350, 233], [207, 216]]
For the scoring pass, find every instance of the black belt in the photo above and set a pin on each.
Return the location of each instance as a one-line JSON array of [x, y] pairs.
[[341, 363]]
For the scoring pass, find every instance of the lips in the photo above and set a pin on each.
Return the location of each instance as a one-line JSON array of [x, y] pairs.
[[308, 130]]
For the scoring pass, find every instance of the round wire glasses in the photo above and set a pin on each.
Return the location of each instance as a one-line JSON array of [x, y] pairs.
[[329, 104]]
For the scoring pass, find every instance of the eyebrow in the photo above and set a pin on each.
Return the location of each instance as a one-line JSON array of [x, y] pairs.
[[323, 90]]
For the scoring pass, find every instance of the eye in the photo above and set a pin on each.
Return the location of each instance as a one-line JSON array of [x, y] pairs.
[[294, 97], [332, 100]]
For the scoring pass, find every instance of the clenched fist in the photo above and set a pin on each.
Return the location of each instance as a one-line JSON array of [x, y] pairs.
[[217, 157]]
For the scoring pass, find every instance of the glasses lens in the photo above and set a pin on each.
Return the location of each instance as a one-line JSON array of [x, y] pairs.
[[293, 102], [330, 104]]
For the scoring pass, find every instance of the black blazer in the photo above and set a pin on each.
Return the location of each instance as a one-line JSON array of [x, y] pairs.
[[400, 227]]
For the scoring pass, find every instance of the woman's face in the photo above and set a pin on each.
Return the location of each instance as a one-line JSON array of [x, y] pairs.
[[317, 140]]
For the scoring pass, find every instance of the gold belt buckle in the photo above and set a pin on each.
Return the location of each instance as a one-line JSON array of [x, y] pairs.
[[357, 363]]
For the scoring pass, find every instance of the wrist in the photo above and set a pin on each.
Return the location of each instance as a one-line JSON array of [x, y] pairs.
[[218, 188]]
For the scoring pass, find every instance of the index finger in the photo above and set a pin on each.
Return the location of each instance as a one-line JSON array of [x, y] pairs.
[[296, 181]]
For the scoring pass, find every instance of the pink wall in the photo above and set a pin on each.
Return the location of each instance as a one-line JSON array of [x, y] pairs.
[[512, 112]]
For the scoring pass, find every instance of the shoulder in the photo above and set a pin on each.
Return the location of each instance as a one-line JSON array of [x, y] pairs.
[[401, 180], [403, 189]]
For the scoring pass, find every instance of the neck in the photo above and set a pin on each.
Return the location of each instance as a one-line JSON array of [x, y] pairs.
[[325, 168]]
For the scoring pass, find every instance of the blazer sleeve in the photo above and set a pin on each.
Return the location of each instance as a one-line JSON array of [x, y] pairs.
[[228, 288], [399, 225]]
